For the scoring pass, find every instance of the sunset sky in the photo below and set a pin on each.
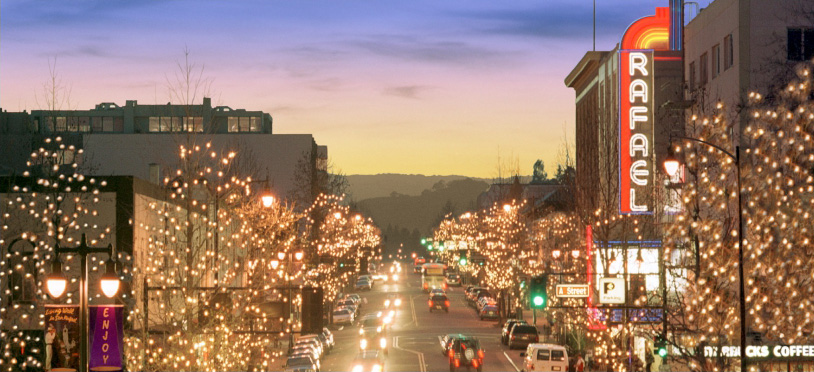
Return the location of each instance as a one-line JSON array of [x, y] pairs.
[[410, 86]]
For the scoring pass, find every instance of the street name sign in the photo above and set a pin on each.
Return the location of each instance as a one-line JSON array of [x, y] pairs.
[[572, 290]]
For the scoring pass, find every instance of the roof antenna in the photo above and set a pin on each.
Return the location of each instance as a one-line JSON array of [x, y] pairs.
[[594, 25]]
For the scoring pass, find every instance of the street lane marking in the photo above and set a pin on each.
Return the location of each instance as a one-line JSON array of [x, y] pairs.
[[412, 306], [421, 366], [511, 361]]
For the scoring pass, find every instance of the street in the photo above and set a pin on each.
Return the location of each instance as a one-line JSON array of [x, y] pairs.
[[416, 332]]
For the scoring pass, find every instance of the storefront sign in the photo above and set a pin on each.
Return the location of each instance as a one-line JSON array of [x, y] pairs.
[[106, 332], [762, 351], [572, 290], [636, 131], [611, 290], [633, 315], [61, 337]]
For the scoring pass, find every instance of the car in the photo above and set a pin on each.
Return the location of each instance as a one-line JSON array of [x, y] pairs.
[[368, 361], [313, 342], [368, 278], [328, 336], [319, 337], [453, 280], [522, 335], [438, 291], [545, 357], [343, 315], [482, 293], [346, 302], [373, 334], [507, 328], [393, 301], [466, 352], [439, 302], [488, 312], [362, 285], [305, 350], [446, 342], [355, 297], [301, 362], [471, 296]]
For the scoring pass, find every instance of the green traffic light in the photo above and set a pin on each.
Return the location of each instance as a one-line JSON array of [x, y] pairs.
[[663, 352], [539, 300], [462, 261], [423, 241]]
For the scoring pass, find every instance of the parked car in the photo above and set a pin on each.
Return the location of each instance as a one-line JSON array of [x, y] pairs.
[[483, 301], [439, 302], [488, 312], [472, 295], [507, 328], [466, 352], [343, 315], [328, 336], [453, 280], [522, 335], [319, 337], [446, 342], [355, 297], [545, 357], [313, 342], [368, 278], [301, 362]]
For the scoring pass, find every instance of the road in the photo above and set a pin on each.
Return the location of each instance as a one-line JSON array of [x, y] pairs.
[[415, 332]]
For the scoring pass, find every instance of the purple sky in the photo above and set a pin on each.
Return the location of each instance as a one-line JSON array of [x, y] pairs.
[[428, 87]]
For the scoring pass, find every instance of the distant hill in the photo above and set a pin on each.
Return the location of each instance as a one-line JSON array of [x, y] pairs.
[[377, 185], [420, 211]]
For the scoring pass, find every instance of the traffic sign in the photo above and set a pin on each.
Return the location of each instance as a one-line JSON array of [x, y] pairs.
[[611, 290], [572, 290]]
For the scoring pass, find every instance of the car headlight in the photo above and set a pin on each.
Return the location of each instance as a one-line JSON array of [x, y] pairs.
[[395, 277], [358, 368], [388, 319], [363, 344], [377, 368], [383, 342], [378, 329], [398, 302], [386, 303], [361, 331]]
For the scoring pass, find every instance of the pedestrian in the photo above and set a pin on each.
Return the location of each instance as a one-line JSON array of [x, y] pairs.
[[648, 357], [579, 366]]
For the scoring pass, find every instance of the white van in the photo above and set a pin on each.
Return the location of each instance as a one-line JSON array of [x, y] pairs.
[[545, 357]]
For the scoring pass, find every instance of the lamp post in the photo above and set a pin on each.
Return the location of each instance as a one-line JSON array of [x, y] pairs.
[[274, 263], [671, 166], [56, 283]]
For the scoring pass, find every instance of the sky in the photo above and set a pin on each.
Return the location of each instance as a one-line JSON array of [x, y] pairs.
[[452, 87]]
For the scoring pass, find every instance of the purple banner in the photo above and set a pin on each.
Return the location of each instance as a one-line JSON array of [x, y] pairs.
[[106, 332], [61, 338]]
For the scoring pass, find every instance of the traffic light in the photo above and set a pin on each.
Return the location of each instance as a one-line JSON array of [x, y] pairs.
[[660, 346], [538, 294], [462, 261]]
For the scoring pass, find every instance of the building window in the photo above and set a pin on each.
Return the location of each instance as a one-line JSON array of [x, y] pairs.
[[729, 55], [716, 60], [703, 66], [800, 44], [244, 124], [176, 124], [691, 74]]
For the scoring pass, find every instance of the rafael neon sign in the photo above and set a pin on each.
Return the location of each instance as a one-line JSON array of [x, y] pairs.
[[636, 158]]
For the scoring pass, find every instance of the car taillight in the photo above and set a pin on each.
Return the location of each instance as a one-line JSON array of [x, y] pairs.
[[444, 285], [430, 303], [446, 303], [512, 337], [475, 363], [480, 353], [451, 353], [457, 363]]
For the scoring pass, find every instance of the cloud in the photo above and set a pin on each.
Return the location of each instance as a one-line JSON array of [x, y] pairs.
[[424, 49], [407, 91]]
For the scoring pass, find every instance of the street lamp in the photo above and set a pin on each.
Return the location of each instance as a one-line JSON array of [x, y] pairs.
[[671, 166], [291, 257], [56, 283]]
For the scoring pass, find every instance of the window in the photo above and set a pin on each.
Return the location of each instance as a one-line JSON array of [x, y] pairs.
[[703, 66], [800, 44], [543, 354], [729, 55], [557, 355], [716, 60], [691, 74], [175, 124], [244, 124]]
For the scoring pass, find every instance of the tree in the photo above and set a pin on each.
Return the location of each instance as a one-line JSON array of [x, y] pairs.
[[539, 175]]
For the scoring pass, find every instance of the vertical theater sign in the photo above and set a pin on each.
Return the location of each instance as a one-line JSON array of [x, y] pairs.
[[637, 56]]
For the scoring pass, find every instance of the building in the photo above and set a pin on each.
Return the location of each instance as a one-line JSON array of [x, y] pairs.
[[143, 140], [733, 47]]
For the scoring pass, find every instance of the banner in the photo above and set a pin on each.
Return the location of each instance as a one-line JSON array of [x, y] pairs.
[[106, 337], [61, 338]]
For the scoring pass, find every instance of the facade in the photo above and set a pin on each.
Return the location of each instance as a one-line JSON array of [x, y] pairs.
[[143, 140], [735, 47]]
